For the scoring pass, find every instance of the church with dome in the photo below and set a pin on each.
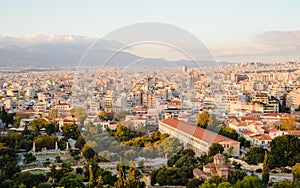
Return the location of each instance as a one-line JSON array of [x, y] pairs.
[[219, 167]]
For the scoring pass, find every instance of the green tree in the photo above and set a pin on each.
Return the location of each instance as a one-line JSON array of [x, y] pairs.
[[203, 119], [99, 181], [172, 160], [153, 176], [284, 151], [286, 184], [29, 158], [51, 128], [265, 170], [46, 141], [216, 179], [188, 152], [44, 185], [80, 113], [52, 171], [214, 149], [107, 177], [39, 123], [186, 161], [8, 162], [8, 183], [244, 142], [225, 185], [149, 152], [206, 184], [249, 182], [71, 131], [121, 176], [194, 183], [296, 172], [91, 176], [132, 180], [287, 123], [80, 142], [130, 154], [29, 179], [4, 116], [255, 155], [88, 152], [64, 171], [229, 132], [170, 146], [236, 175], [71, 181]]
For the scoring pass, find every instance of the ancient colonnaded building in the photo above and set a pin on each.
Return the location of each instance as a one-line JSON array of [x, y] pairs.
[[197, 138]]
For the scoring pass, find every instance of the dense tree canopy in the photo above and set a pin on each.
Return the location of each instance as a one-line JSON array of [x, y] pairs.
[[236, 175], [244, 142], [178, 172], [249, 182], [255, 155], [8, 162], [45, 141], [71, 131], [285, 151], [29, 179], [214, 149], [71, 181]]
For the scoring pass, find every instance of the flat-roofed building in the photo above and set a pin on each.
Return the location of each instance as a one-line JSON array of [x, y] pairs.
[[197, 138]]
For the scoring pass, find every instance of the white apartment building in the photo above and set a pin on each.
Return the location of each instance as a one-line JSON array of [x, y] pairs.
[[295, 98]]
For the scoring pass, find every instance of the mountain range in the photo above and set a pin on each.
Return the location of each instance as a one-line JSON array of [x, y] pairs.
[[63, 54]]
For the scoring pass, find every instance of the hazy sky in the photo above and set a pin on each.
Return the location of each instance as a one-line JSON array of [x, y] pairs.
[[233, 29]]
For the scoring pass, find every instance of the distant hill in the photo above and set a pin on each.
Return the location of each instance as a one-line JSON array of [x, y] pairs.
[[61, 55]]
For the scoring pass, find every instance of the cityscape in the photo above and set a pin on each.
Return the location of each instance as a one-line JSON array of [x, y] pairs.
[[83, 111]]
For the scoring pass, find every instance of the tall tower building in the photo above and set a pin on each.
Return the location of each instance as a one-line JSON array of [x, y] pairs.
[[183, 68]]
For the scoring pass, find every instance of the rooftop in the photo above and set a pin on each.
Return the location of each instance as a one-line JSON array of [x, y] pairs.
[[198, 132]]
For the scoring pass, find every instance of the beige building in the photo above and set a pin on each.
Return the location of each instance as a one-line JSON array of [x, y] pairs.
[[197, 138], [295, 98]]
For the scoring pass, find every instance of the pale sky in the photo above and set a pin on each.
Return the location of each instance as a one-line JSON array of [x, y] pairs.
[[233, 30]]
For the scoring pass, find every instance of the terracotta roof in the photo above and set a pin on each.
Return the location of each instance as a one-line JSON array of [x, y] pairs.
[[271, 129], [140, 118], [62, 104], [198, 132], [210, 165], [231, 117], [278, 115], [174, 102], [247, 132], [28, 111], [263, 137], [70, 121], [235, 123], [249, 118]]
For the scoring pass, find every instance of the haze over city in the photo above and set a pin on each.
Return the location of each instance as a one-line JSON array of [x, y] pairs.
[[136, 94], [233, 31]]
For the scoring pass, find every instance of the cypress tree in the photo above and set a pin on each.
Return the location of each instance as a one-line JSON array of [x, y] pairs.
[[265, 170], [121, 176], [91, 178]]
